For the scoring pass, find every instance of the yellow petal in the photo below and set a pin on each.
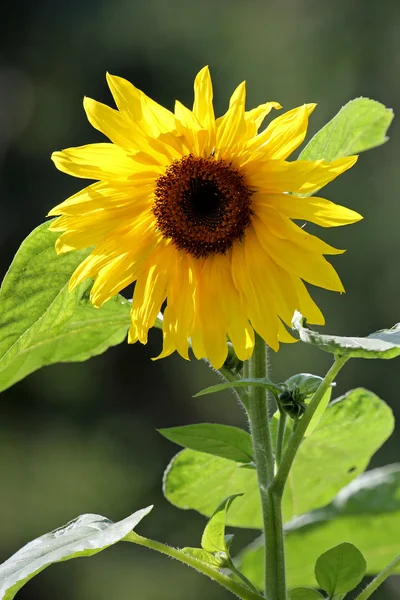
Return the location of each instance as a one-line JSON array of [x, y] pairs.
[[251, 279], [282, 289], [232, 126], [228, 305], [300, 176], [139, 108], [138, 241], [288, 290], [178, 315], [204, 111], [113, 278], [276, 224], [189, 127], [133, 334], [256, 116], [110, 122], [91, 229], [127, 98], [306, 304], [284, 134], [100, 196], [317, 210], [118, 274], [95, 161], [308, 265], [203, 100], [209, 327], [151, 288], [284, 336], [322, 173], [220, 311], [186, 117], [168, 345], [128, 134], [173, 144]]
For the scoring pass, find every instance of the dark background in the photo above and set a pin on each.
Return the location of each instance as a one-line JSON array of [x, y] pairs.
[[82, 438]]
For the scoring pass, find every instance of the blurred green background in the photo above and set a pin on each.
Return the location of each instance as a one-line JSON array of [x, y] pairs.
[[82, 438]]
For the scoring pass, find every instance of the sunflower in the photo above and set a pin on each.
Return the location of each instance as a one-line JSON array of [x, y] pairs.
[[200, 212]]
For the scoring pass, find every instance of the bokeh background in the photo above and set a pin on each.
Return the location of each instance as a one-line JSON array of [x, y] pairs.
[[82, 438]]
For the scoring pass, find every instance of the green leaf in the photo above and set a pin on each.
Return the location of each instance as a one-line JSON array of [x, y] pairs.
[[41, 322], [340, 569], [265, 383], [209, 558], [85, 536], [381, 344], [340, 447], [213, 538], [366, 513], [360, 125], [304, 593], [199, 481], [219, 440]]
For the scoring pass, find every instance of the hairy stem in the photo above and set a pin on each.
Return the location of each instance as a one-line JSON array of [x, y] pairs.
[[280, 438], [379, 579], [228, 376], [236, 588], [257, 411]]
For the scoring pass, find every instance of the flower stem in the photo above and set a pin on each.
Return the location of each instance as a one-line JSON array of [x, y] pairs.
[[280, 438], [257, 411], [297, 436], [228, 376], [379, 579], [236, 588]]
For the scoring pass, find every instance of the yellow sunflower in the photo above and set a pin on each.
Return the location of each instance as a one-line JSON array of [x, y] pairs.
[[197, 211]]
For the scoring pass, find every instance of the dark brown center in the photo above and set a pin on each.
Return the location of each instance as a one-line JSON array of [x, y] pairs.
[[203, 205]]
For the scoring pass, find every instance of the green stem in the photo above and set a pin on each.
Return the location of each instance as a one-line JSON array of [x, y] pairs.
[[376, 582], [301, 428], [233, 586], [240, 393], [247, 582], [257, 411], [280, 438]]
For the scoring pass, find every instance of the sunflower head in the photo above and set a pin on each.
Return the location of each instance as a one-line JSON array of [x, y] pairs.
[[200, 213]]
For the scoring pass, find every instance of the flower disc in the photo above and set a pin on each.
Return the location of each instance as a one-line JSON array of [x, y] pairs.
[[203, 205]]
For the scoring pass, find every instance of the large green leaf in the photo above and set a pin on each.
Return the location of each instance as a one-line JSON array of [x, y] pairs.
[[212, 438], [366, 513], [338, 450], [85, 536], [381, 344], [201, 481], [41, 322], [360, 125]]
